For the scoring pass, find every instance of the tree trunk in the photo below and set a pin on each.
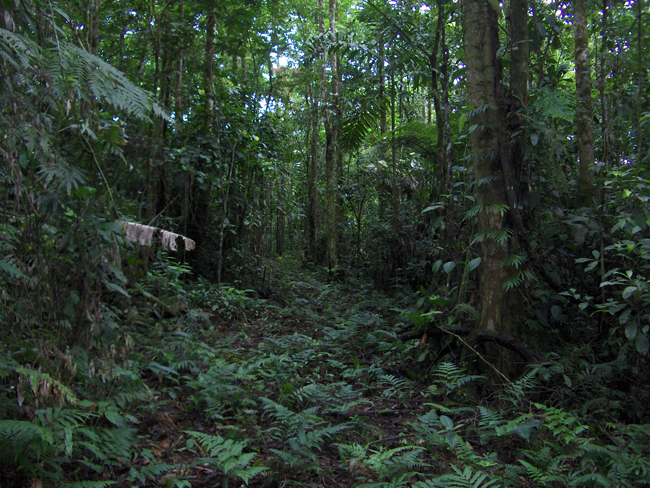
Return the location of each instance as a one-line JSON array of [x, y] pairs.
[[382, 83], [331, 133], [312, 187], [583, 105], [332, 150], [180, 66], [393, 150], [480, 30], [433, 58], [519, 79], [603, 92], [642, 71], [209, 67], [93, 16]]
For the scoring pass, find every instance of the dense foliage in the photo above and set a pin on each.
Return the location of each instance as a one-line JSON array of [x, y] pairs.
[[422, 243]]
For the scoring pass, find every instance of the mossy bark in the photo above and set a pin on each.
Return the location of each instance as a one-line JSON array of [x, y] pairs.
[[484, 73]]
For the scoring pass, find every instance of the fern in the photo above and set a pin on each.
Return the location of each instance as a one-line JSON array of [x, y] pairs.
[[461, 479], [361, 121], [485, 180], [93, 77], [300, 432], [561, 424], [18, 51], [515, 390], [514, 260], [396, 386], [450, 377], [89, 484], [227, 456], [63, 175], [473, 212], [546, 466], [555, 104], [388, 463], [518, 279]]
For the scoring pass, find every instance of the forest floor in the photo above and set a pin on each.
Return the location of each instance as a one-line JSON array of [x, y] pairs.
[[305, 382], [311, 382]]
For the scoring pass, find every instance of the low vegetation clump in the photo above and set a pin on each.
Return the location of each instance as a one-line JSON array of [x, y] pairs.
[[311, 388]]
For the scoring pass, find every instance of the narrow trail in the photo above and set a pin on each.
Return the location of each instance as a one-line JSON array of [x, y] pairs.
[[311, 382]]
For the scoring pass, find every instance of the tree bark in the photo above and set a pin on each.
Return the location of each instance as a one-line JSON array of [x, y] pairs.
[[313, 224], [393, 148], [209, 66], [480, 30], [583, 105], [382, 83], [519, 80], [440, 121], [93, 15], [180, 66], [601, 84], [331, 132]]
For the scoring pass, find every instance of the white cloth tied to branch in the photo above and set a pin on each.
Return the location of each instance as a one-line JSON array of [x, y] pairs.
[[143, 234]]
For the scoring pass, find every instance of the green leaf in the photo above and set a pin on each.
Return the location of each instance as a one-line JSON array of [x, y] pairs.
[[642, 344], [435, 206], [556, 312], [613, 310], [11, 269], [449, 266], [628, 291], [117, 288], [447, 422], [114, 417], [473, 264], [631, 330], [496, 6], [624, 316]]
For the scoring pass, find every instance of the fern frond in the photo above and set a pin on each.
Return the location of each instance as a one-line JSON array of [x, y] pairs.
[[94, 78], [88, 484], [18, 51], [227, 455], [561, 424], [466, 478]]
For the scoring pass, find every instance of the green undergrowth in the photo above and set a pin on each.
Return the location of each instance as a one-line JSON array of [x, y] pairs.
[[310, 387]]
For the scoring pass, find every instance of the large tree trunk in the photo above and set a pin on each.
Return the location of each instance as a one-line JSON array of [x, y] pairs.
[[601, 85], [209, 67], [180, 67], [382, 83], [642, 71], [480, 30], [440, 121], [93, 17], [519, 79], [583, 105], [331, 133], [312, 187], [393, 152]]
